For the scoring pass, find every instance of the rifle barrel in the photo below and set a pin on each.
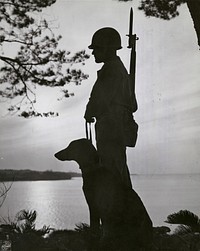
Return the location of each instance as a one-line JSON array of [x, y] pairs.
[[132, 70]]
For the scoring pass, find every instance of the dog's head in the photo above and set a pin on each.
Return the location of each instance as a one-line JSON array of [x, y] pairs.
[[82, 151]]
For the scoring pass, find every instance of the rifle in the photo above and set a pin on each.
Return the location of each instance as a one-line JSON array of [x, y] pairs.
[[132, 45]]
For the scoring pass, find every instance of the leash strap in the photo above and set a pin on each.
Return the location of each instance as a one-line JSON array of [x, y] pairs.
[[88, 134]]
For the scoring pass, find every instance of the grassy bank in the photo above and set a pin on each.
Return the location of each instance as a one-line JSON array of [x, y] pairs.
[[25, 237], [80, 240]]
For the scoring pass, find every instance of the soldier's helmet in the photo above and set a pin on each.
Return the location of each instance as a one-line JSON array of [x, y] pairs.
[[106, 37]]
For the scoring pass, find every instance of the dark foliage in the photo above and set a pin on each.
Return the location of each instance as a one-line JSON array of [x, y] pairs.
[[25, 236], [189, 222], [38, 61], [33, 113], [22, 231], [73, 240], [164, 9]]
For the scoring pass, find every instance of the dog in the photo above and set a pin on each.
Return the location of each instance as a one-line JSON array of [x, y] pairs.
[[120, 211]]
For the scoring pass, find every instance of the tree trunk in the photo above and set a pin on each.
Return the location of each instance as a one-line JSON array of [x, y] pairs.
[[194, 8]]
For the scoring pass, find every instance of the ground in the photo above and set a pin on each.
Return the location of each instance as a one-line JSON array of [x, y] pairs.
[[79, 239]]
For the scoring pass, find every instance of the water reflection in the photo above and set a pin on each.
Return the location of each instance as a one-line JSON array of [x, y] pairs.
[[56, 202], [61, 204]]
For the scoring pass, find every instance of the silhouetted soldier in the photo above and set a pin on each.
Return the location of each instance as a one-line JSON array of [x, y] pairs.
[[111, 104]]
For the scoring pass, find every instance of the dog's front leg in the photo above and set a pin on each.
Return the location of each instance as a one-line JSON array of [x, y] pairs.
[[94, 230], [94, 220], [94, 216]]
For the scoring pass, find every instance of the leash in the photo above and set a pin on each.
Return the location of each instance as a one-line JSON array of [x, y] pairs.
[[88, 134]]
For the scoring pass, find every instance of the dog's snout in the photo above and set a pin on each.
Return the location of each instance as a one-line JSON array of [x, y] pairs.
[[56, 155], [59, 155], [63, 155]]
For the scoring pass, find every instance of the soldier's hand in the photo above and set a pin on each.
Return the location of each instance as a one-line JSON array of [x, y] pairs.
[[89, 119]]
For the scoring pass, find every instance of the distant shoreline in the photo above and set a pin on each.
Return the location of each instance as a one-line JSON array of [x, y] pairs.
[[11, 175], [32, 175]]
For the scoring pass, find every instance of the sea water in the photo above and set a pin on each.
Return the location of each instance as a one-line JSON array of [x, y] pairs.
[[61, 204]]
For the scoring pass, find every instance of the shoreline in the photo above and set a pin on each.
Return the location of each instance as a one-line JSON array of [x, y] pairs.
[[11, 175]]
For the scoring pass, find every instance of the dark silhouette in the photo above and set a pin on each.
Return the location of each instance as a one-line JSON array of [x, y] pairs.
[[126, 224], [111, 105]]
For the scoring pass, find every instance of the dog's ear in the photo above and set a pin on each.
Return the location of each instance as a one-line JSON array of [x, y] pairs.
[[91, 150]]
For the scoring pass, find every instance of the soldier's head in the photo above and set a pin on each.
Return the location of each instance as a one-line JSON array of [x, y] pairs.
[[105, 43]]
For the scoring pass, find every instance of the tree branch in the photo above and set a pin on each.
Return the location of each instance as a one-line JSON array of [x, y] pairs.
[[3, 192], [16, 41]]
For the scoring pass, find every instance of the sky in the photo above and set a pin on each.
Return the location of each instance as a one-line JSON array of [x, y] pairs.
[[167, 89]]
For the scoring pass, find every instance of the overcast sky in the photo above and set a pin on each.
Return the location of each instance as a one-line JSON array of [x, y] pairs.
[[167, 88]]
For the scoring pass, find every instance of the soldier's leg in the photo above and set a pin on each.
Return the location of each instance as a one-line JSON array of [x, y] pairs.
[[111, 149]]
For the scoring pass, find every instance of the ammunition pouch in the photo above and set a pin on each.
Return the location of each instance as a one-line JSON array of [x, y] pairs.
[[130, 130]]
